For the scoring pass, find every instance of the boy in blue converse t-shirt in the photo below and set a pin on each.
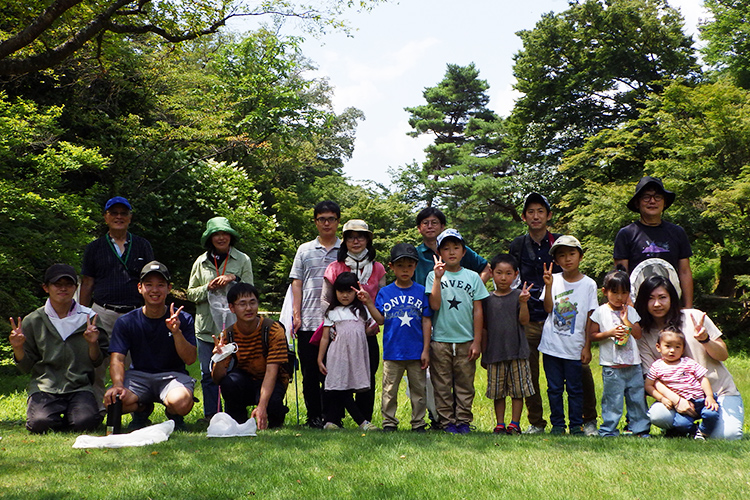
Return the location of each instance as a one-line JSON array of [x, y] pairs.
[[404, 309]]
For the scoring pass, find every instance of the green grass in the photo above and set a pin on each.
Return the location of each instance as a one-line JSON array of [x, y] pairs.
[[296, 462]]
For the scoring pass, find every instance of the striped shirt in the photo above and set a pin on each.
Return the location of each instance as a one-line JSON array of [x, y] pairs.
[[250, 350], [309, 266], [684, 378]]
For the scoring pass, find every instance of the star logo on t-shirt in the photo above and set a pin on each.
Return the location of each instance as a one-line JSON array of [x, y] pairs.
[[454, 303], [405, 319]]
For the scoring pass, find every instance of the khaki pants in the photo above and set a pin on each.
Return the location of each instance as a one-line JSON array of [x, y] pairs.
[[452, 377], [393, 370]]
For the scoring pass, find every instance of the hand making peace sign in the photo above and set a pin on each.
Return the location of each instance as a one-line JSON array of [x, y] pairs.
[[439, 267], [362, 295], [525, 292], [701, 334], [547, 276], [16, 338], [92, 332], [173, 321]]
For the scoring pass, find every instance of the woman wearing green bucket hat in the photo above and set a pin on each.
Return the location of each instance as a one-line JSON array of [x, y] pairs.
[[213, 273]]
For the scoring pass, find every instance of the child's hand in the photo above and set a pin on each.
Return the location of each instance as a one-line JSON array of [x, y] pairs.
[[620, 331], [547, 276], [439, 267], [362, 295], [425, 359], [586, 355], [525, 293], [624, 316], [322, 367], [711, 403]]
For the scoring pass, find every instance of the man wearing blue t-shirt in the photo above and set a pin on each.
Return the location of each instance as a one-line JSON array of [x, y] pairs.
[[161, 342]]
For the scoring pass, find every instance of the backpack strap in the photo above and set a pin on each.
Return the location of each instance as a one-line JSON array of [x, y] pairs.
[[267, 323]]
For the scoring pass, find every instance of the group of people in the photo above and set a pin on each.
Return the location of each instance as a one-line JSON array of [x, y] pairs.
[[437, 319]]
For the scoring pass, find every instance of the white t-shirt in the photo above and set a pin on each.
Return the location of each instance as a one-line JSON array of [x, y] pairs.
[[564, 332], [611, 354]]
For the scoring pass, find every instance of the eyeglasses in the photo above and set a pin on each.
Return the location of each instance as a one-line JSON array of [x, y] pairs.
[[654, 197], [245, 303], [326, 220], [356, 236], [430, 222], [118, 213]]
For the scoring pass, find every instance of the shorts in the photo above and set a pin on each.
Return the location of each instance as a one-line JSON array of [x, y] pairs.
[[154, 387], [510, 378]]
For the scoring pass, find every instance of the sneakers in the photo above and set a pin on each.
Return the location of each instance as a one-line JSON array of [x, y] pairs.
[[589, 428], [316, 423], [389, 428], [179, 421], [451, 429], [419, 430], [534, 429], [557, 430], [513, 430], [367, 426], [463, 428], [330, 426], [500, 429], [699, 435], [140, 418], [580, 431]]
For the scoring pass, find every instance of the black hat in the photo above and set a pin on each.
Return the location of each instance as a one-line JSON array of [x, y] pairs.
[[655, 183], [57, 271], [155, 267], [404, 251], [536, 198]]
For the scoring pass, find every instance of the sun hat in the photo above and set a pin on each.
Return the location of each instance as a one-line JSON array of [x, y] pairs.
[[566, 240], [214, 226], [655, 183], [357, 225]]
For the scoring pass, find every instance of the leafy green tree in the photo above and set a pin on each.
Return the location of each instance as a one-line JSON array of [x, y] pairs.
[[38, 34], [588, 69], [727, 34]]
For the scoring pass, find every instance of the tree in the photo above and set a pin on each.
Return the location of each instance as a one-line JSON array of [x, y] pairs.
[[728, 39], [588, 69], [38, 34]]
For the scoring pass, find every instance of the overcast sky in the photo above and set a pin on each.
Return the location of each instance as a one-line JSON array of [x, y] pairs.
[[398, 49]]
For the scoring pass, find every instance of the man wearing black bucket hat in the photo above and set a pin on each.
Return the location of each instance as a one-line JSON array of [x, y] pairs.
[[651, 237]]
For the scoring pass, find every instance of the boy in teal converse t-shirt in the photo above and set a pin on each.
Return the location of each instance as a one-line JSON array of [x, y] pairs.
[[455, 294]]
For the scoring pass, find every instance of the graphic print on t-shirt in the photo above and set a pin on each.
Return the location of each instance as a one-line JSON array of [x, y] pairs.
[[564, 314], [655, 248]]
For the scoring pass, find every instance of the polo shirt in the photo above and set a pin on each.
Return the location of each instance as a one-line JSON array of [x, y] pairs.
[[309, 266]]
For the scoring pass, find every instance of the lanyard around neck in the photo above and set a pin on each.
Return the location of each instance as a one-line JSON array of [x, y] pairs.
[[127, 249], [216, 264]]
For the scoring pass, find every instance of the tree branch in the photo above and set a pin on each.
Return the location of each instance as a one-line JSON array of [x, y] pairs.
[[36, 27]]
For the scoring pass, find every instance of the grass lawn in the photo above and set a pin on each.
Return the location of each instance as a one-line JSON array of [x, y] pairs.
[[297, 462]]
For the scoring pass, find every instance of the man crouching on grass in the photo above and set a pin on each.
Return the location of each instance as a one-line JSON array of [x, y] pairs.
[[161, 342], [257, 377]]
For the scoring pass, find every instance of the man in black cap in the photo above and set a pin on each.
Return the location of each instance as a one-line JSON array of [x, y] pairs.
[[651, 237], [161, 342], [59, 345], [531, 251]]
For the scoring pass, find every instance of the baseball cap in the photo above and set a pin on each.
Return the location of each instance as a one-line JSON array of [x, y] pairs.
[[117, 200], [536, 198], [449, 233], [55, 272], [155, 267], [566, 240], [404, 251]]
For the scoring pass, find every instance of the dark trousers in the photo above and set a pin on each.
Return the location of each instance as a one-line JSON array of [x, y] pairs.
[[312, 379], [337, 402], [210, 390], [366, 400], [76, 411], [564, 374], [241, 390]]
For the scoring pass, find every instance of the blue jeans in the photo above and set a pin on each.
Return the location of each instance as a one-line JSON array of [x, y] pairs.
[[686, 423], [564, 374], [619, 383], [210, 390]]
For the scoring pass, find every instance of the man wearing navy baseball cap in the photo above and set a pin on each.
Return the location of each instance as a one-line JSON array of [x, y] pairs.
[[110, 273]]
